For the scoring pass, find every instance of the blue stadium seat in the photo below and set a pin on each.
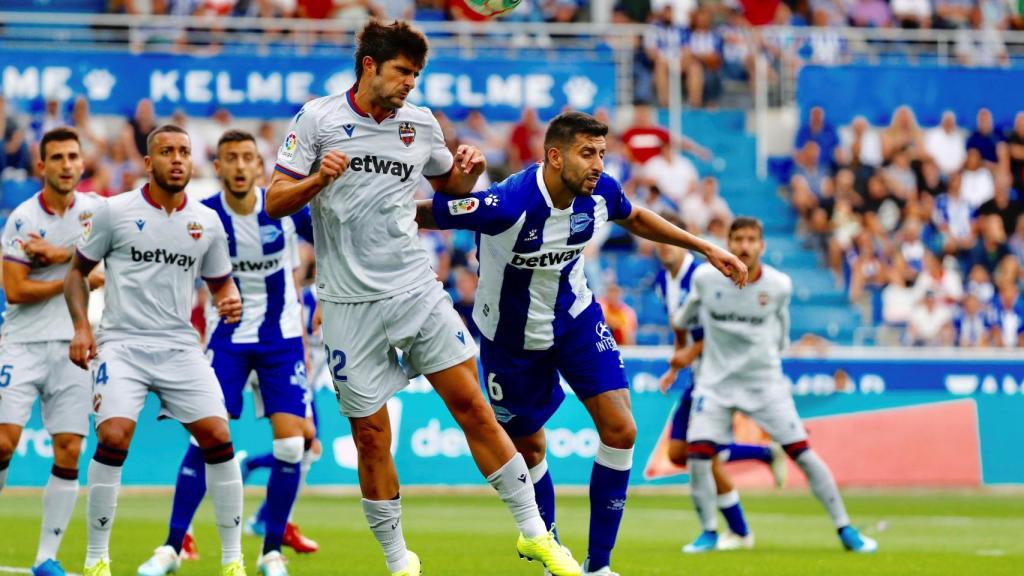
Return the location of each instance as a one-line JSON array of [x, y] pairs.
[[15, 192], [91, 6]]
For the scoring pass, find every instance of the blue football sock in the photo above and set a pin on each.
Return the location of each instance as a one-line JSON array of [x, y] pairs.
[[729, 505], [608, 484], [281, 491], [544, 491], [188, 493], [261, 461], [740, 452]]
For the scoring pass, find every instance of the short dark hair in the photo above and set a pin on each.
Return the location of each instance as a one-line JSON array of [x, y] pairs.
[[563, 129], [235, 136], [384, 42], [59, 134], [165, 129], [743, 222]]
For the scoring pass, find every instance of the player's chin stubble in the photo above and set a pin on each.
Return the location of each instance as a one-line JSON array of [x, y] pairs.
[[167, 186]]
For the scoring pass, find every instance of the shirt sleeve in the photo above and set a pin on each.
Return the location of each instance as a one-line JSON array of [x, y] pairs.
[[619, 207], [216, 264], [488, 211], [13, 243], [301, 146], [97, 236], [687, 316], [441, 160], [303, 220], [787, 294]]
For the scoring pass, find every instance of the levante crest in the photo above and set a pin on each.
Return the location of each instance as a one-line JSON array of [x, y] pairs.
[[407, 133]]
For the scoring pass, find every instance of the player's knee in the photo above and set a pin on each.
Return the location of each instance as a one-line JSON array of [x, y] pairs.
[[678, 453], [213, 436], [473, 413], [7, 447], [620, 434], [289, 450], [701, 450], [66, 450], [115, 436], [795, 449]]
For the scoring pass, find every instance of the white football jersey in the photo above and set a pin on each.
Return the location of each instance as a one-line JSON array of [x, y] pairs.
[[745, 330], [48, 319], [364, 222], [152, 262]]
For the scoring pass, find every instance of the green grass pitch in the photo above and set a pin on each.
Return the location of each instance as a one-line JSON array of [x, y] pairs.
[[955, 533]]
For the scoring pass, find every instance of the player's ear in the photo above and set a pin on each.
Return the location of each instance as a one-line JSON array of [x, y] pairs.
[[554, 157], [369, 65]]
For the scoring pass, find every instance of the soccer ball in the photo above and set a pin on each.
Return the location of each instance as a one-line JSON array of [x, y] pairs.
[[488, 9]]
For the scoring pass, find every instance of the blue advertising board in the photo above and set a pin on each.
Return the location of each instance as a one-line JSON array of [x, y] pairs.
[[431, 450], [276, 87]]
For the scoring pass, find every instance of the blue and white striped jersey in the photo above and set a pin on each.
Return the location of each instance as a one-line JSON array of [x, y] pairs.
[[264, 251], [531, 267], [673, 290]]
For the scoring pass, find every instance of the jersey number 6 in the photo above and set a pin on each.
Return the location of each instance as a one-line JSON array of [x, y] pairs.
[[494, 389]]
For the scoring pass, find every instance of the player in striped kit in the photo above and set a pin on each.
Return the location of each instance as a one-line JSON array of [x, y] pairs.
[[268, 340], [539, 319], [38, 242]]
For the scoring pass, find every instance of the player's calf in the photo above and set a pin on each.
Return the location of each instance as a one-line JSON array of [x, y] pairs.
[[678, 452]]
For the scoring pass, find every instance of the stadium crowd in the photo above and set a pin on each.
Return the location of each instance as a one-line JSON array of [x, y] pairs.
[[923, 226]]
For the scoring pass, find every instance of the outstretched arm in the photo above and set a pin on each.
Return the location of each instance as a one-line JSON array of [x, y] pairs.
[[646, 224], [469, 164], [76, 294], [425, 215]]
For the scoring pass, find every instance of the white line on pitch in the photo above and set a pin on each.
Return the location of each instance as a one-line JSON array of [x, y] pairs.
[[14, 570]]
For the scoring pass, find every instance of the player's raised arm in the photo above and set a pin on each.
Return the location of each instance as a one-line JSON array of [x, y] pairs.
[[467, 166], [294, 184], [425, 215], [646, 224]]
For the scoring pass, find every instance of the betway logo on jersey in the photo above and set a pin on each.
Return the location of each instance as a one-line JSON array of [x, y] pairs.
[[371, 163], [546, 260], [161, 256], [256, 266]]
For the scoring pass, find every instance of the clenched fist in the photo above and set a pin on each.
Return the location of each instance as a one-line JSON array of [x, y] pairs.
[[333, 165]]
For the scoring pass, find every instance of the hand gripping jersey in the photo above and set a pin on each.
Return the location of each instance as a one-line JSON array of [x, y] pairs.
[[263, 251], [48, 319], [745, 330], [364, 222], [531, 264], [152, 262]]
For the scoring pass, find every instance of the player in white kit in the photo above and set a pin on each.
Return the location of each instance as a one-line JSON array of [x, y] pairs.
[[155, 243], [38, 242], [745, 333], [357, 158]]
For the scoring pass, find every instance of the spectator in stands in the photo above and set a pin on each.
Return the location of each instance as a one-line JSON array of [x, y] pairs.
[[990, 249], [202, 153], [1015, 151], [979, 284], [912, 13], [832, 12], [703, 203], [15, 156], [988, 142], [970, 324], [526, 142], [137, 129], [864, 144], [668, 178], [871, 14], [868, 266], [897, 300], [89, 133], [1006, 204], [682, 10], [953, 14], [911, 249], [702, 61], [945, 282], [808, 183], [899, 176], [946, 144], [52, 117], [475, 131], [631, 11], [845, 226], [952, 217], [644, 139], [276, 8], [559, 10], [122, 168], [1006, 319], [983, 48], [995, 14], [621, 317], [930, 322], [821, 132], [664, 41], [976, 183], [881, 210], [824, 46], [902, 133], [931, 182], [1016, 242], [760, 12], [267, 143]]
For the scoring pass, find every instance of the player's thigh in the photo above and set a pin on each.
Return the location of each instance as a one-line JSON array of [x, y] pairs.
[[522, 385], [232, 366], [588, 358], [775, 412], [66, 396], [710, 419], [362, 363], [425, 325], [187, 386], [23, 370], [283, 383], [119, 382]]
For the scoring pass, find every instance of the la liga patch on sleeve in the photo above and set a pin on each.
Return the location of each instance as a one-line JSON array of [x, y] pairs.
[[463, 206]]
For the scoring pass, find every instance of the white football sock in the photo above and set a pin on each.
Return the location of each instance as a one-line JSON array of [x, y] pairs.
[[385, 520], [224, 483], [104, 484], [823, 486], [59, 498], [514, 485], [702, 491]]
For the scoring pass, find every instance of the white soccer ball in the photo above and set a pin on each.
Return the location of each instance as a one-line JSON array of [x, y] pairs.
[[491, 8]]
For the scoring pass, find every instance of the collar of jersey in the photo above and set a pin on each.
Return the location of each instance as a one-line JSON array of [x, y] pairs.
[[547, 195], [149, 200], [42, 203], [350, 96]]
